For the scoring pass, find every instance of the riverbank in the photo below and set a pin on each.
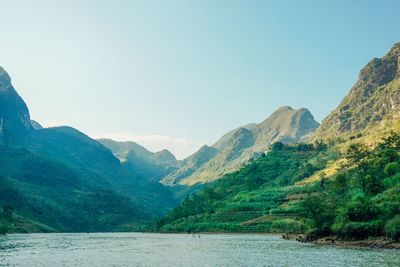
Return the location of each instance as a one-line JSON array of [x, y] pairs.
[[375, 243]]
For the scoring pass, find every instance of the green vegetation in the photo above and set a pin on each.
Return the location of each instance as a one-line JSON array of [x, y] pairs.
[[52, 194], [47, 195], [362, 199], [261, 197]]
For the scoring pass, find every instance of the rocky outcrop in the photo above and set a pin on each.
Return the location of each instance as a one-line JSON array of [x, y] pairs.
[[374, 97], [14, 114]]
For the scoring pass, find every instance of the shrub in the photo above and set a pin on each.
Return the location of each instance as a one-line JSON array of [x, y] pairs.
[[3, 228], [362, 229], [392, 228]]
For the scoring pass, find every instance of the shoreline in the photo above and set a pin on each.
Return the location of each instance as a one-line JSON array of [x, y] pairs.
[[372, 243]]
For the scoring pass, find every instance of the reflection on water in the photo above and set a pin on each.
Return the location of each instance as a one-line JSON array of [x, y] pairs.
[[134, 249]]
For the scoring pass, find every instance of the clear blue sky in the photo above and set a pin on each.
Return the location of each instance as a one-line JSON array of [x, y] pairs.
[[177, 74]]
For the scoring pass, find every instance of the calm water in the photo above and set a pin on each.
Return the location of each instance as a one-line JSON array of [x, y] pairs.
[[134, 249]]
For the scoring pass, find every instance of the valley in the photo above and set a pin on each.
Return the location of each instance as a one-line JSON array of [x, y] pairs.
[[287, 174]]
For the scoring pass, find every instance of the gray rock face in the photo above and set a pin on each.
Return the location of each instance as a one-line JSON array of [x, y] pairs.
[[374, 97], [14, 114]]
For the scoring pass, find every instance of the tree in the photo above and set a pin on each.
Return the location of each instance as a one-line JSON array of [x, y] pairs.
[[8, 212], [277, 146]]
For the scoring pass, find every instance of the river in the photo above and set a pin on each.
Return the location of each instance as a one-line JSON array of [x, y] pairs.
[[136, 249]]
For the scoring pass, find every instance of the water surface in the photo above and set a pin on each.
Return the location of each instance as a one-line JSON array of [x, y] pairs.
[[135, 249]]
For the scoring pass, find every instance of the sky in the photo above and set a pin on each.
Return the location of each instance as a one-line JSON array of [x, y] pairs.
[[179, 74]]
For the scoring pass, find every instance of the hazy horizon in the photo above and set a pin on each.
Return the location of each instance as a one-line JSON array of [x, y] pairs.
[[179, 74]]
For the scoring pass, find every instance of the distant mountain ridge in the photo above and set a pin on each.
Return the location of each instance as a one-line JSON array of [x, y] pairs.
[[240, 145]]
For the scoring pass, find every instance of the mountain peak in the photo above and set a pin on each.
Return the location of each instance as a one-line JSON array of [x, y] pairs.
[[3, 73], [373, 98], [164, 156], [5, 81], [395, 48], [14, 114], [284, 108]]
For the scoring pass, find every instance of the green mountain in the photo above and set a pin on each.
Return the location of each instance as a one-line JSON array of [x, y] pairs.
[[374, 98], [59, 179], [346, 188], [47, 195], [148, 165], [75, 148], [242, 144]]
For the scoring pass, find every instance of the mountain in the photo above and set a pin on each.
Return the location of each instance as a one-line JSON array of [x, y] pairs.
[[191, 164], [59, 179], [71, 146], [14, 114], [338, 185], [224, 140], [274, 193], [238, 146], [150, 166], [374, 98], [121, 149], [48, 195], [256, 198]]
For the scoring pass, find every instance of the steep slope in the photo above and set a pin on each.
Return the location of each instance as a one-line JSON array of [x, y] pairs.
[[14, 114], [225, 139], [375, 97], [74, 148], [244, 143]]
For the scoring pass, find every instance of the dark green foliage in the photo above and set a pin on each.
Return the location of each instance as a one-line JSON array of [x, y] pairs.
[[7, 212], [55, 195], [363, 200], [392, 228]]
